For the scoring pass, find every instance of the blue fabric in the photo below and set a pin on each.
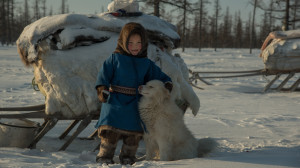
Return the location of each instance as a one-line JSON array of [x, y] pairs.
[[120, 110]]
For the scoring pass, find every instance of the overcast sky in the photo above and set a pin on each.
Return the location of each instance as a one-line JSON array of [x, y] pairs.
[[90, 6], [96, 6]]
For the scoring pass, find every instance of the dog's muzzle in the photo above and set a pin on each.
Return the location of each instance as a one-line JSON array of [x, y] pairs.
[[140, 89]]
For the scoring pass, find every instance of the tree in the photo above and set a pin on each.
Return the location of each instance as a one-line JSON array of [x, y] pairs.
[[26, 14], [264, 28], [225, 33], [44, 8], [184, 7], [252, 26], [64, 7], [202, 14], [295, 8], [3, 23], [217, 11], [36, 10], [284, 10], [238, 30], [247, 34]]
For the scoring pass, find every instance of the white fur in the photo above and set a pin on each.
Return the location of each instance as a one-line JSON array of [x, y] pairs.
[[167, 136]]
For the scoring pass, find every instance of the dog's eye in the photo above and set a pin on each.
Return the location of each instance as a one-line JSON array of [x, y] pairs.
[[150, 86]]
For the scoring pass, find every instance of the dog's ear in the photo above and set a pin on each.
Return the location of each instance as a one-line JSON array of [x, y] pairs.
[[166, 92]]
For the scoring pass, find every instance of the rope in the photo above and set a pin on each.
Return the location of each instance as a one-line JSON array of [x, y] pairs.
[[34, 85]]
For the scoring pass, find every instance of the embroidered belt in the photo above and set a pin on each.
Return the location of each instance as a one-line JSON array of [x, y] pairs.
[[122, 89]]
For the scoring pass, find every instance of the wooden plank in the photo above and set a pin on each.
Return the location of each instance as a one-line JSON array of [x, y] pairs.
[[251, 71], [285, 81], [295, 85], [48, 126], [28, 108], [267, 87], [84, 123], [41, 114], [36, 114], [234, 76], [71, 126]]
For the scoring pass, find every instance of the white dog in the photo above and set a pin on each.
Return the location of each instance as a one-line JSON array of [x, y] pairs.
[[167, 136]]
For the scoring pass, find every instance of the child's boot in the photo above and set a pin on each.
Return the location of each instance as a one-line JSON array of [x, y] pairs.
[[108, 146], [129, 148]]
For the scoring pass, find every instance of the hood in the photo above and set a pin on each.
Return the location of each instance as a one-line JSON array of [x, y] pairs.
[[126, 32]]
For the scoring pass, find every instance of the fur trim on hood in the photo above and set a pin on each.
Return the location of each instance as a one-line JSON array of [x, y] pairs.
[[128, 30]]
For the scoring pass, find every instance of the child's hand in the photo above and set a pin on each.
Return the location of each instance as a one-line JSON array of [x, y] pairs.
[[102, 93]]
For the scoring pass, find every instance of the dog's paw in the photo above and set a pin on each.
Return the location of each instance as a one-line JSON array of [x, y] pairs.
[[195, 112], [195, 108]]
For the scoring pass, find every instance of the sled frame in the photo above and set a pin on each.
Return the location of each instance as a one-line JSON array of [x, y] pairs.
[[195, 76], [38, 112]]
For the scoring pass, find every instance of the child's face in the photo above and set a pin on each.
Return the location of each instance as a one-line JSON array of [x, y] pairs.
[[134, 44]]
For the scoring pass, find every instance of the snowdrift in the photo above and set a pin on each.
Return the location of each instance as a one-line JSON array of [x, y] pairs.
[[281, 51], [67, 51]]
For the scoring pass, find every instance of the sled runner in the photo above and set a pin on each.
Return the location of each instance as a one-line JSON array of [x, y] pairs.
[[287, 75]]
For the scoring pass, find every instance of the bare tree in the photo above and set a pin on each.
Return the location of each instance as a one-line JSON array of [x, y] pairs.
[[26, 13], [64, 8], [295, 13], [36, 10], [283, 10], [217, 11], [51, 11], [238, 31], [201, 18], [225, 31], [3, 23], [44, 8], [252, 26]]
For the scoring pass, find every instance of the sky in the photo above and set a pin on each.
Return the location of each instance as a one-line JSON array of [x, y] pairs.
[[96, 6]]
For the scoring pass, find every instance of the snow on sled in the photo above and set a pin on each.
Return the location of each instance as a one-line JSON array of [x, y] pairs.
[[281, 51], [281, 55]]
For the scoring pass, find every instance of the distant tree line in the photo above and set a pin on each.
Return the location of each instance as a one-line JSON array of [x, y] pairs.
[[15, 15], [197, 27]]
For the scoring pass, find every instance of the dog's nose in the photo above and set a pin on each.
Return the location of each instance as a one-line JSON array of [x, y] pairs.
[[140, 88]]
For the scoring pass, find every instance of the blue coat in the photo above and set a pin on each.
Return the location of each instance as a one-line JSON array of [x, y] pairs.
[[120, 110]]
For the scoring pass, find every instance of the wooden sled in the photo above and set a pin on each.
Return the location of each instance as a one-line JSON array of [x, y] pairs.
[[195, 76], [50, 121]]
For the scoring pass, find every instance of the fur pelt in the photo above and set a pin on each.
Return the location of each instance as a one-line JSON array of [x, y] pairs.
[[167, 136]]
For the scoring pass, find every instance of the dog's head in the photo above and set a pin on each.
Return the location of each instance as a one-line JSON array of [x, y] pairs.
[[154, 89]]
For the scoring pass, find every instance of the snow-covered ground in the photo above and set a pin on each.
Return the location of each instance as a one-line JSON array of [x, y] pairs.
[[254, 129]]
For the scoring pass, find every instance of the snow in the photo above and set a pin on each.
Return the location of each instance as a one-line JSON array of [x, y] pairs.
[[254, 129], [42, 28], [128, 5]]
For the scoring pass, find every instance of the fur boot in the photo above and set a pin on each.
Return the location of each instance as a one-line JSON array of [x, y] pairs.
[[129, 148], [109, 140]]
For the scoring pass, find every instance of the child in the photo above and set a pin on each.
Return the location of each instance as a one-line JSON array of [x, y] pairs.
[[117, 83]]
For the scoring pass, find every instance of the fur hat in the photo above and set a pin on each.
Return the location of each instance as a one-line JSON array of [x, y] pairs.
[[128, 30]]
